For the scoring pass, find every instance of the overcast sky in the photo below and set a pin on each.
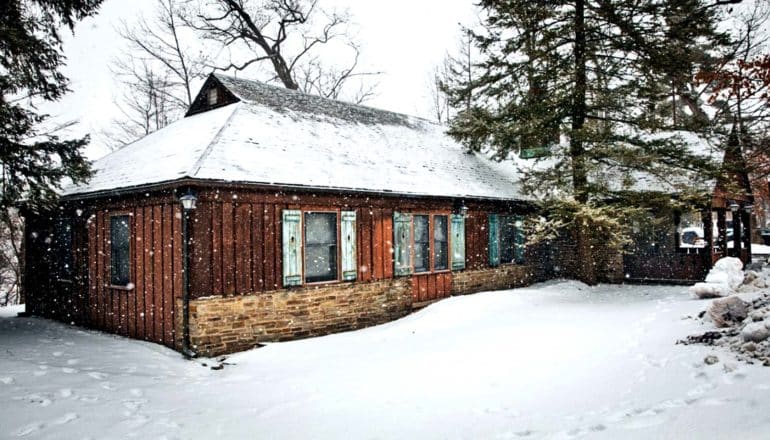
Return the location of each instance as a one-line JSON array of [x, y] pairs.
[[402, 38]]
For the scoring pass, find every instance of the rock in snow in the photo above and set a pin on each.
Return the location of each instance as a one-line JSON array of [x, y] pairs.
[[755, 332], [725, 312]]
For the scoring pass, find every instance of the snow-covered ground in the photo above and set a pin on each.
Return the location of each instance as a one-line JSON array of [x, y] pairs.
[[558, 360]]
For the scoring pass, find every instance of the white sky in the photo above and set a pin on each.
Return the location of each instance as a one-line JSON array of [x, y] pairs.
[[403, 45]]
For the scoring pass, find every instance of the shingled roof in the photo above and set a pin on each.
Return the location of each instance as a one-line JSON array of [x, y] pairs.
[[273, 136]]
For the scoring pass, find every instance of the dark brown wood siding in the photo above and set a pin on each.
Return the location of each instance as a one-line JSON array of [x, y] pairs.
[[145, 309], [236, 239], [235, 249]]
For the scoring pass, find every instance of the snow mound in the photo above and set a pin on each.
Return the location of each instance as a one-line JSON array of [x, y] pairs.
[[722, 280]]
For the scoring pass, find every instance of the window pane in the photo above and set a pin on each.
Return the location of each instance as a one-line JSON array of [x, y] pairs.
[[507, 238], [320, 246], [440, 243], [691, 233], [421, 244], [119, 250]]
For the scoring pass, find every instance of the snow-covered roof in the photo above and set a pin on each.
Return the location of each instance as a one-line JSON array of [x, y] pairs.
[[281, 137]]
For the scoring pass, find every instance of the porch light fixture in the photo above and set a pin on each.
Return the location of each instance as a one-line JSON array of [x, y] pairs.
[[461, 209], [734, 206], [188, 201]]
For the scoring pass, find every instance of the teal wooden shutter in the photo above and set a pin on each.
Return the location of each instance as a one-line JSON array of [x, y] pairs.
[[348, 235], [292, 248], [458, 242], [494, 241], [519, 240], [402, 244]]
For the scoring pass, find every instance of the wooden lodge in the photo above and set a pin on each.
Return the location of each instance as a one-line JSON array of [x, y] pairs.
[[268, 215]]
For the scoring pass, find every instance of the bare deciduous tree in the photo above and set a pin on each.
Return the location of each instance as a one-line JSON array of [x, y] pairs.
[[146, 105], [157, 70], [288, 35], [447, 73]]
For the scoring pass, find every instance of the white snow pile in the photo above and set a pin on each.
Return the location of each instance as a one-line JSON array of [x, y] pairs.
[[743, 317], [723, 279]]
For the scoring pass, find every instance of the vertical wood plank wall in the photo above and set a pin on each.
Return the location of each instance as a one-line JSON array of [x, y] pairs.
[[146, 309], [235, 249], [236, 244]]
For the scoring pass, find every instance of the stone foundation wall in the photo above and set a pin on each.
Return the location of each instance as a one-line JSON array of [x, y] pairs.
[[220, 325], [506, 276]]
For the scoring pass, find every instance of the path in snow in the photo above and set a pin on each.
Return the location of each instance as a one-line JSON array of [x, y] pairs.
[[558, 360]]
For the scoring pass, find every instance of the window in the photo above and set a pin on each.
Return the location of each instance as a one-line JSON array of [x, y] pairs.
[[63, 242], [421, 244], [440, 243], [119, 250], [320, 246], [213, 96], [507, 239], [691, 230]]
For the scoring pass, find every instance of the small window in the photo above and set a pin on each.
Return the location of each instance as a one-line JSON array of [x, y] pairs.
[[440, 243], [691, 231], [507, 239], [119, 250], [213, 96], [63, 242], [421, 243], [320, 246]]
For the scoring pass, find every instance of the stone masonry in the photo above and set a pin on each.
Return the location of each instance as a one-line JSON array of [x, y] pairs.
[[220, 325], [505, 276]]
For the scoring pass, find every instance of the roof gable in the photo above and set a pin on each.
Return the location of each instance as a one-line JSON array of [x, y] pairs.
[[201, 102]]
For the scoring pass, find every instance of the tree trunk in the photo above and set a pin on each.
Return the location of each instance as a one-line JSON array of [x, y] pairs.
[[586, 269]]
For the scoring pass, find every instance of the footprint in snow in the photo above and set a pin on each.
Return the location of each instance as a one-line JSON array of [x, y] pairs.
[[73, 361], [35, 399], [715, 401], [69, 370], [134, 404], [107, 386], [136, 392], [57, 353], [65, 393], [28, 429], [98, 376], [7, 380], [701, 389], [66, 418]]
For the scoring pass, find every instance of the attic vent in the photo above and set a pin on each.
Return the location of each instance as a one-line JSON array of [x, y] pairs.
[[213, 96]]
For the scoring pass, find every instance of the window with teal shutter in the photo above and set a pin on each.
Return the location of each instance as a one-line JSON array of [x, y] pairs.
[[402, 244], [494, 241], [321, 247], [458, 242], [520, 240], [348, 234], [292, 247]]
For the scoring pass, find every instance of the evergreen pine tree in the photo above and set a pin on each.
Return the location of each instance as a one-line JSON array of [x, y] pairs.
[[581, 80], [34, 162]]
